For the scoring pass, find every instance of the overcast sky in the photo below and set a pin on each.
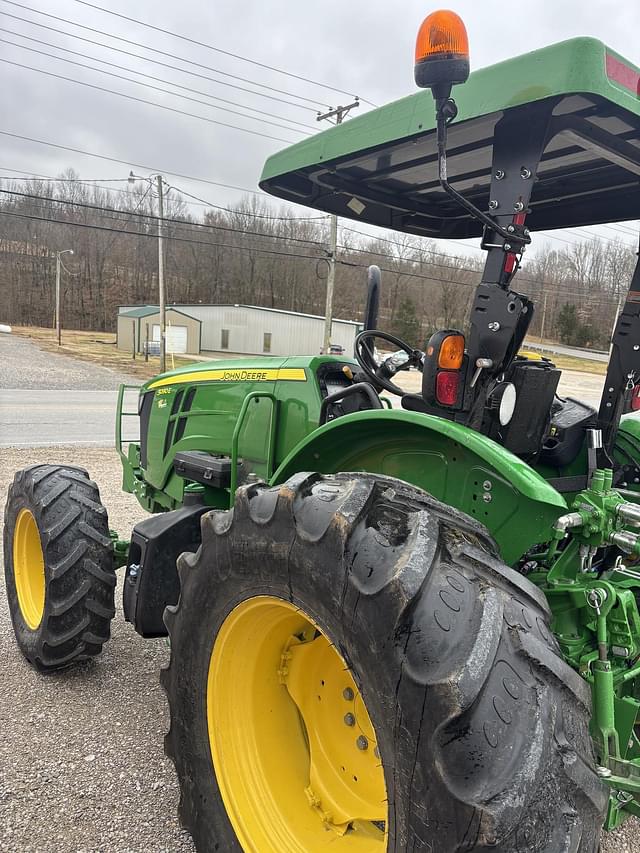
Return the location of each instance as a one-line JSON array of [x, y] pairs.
[[360, 47]]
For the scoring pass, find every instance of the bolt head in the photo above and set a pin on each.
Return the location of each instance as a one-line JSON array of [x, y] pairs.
[[499, 175], [494, 327], [525, 173], [510, 229], [507, 247], [347, 694], [362, 742], [493, 204], [349, 720], [518, 206], [487, 485], [486, 498]]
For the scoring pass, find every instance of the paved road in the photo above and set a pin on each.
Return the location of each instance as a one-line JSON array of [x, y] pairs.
[[574, 352], [47, 399], [40, 418]]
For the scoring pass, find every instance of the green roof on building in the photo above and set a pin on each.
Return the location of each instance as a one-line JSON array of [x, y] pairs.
[[142, 311]]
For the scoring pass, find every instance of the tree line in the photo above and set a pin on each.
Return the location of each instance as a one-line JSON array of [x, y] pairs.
[[257, 254]]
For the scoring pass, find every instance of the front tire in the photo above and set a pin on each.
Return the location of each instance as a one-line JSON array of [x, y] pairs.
[[58, 559], [481, 728]]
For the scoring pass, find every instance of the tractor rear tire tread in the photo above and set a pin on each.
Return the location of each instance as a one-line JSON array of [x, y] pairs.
[[483, 728], [79, 574]]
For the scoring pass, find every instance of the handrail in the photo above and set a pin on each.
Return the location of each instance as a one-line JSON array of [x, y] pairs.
[[253, 395], [120, 414]]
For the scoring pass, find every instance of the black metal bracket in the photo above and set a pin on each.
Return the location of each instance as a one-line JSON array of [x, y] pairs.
[[623, 371], [500, 318]]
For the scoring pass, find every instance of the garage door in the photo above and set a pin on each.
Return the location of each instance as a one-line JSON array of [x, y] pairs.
[[176, 338]]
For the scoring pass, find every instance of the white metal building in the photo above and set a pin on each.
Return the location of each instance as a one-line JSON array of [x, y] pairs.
[[252, 330]]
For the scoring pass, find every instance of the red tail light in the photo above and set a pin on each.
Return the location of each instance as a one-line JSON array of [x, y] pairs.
[[635, 399], [447, 385]]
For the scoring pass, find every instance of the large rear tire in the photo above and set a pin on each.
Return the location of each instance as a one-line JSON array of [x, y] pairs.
[[448, 671], [58, 560]]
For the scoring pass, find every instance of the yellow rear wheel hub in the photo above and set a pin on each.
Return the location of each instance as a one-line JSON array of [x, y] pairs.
[[294, 750], [28, 568]]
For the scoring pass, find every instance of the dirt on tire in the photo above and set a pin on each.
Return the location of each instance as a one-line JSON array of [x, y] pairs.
[[482, 727]]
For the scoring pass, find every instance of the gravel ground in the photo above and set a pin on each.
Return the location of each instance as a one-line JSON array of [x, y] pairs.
[[26, 366], [82, 768]]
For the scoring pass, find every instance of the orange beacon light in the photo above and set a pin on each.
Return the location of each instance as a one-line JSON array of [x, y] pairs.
[[442, 53]]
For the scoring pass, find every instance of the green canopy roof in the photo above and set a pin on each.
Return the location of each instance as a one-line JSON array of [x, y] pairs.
[[380, 167]]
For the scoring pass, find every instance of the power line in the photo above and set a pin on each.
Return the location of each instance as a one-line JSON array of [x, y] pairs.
[[128, 163], [185, 226], [155, 236], [198, 201], [211, 47], [32, 175], [245, 213], [150, 103], [148, 85], [163, 53], [559, 293], [166, 219], [172, 67]]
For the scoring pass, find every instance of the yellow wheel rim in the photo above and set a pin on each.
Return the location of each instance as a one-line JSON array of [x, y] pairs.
[[28, 568], [294, 750]]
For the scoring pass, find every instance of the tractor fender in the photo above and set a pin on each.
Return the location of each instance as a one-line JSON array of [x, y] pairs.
[[453, 463]]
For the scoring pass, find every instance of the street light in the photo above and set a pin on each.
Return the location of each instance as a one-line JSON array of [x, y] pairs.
[[159, 180], [58, 265]]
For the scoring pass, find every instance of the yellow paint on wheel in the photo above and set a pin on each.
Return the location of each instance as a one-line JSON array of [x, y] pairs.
[[294, 751], [28, 568]]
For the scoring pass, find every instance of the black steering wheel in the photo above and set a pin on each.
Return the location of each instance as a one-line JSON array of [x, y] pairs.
[[380, 374]]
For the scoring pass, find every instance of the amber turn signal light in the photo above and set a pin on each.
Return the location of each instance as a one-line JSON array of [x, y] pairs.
[[451, 353]]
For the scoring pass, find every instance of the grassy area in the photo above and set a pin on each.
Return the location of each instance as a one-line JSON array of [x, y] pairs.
[[570, 362], [98, 347]]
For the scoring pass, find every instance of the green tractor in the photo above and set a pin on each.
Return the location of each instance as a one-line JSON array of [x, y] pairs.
[[392, 629]]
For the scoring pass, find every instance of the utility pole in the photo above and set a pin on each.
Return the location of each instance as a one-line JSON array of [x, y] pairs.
[[619, 306], [58, 265], [159, 181], [161, 291], [544, 316], [337, 114]]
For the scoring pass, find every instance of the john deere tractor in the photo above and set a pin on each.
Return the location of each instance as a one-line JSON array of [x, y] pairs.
[[392, 629]]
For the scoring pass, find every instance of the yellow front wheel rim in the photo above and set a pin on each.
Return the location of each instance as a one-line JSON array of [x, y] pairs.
[[28, 568], [293, 747]]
